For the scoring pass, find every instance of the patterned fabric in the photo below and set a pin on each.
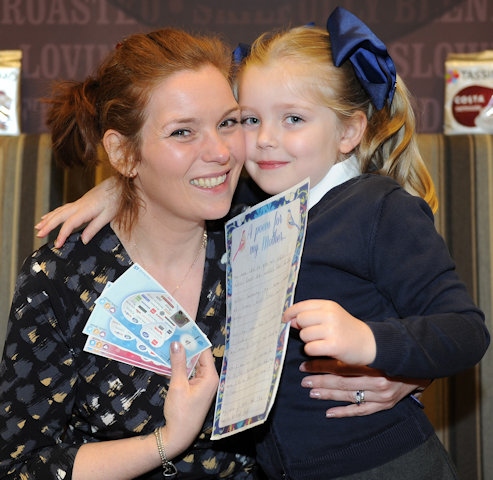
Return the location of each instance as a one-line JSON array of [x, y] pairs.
[[54, 396]]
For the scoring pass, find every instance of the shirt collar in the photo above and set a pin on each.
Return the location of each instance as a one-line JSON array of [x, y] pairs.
[[339, 173]]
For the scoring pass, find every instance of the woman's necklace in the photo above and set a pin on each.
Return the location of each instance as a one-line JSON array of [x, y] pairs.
[[202, 246]]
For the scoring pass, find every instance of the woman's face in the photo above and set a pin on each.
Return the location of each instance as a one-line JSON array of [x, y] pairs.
[[192, 147]]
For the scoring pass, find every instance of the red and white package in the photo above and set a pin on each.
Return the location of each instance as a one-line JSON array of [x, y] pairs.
[[10, 87], [469, 93]]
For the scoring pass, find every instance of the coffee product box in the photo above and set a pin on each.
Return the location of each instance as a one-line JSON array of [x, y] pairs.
[[10, 92], [469, 93]]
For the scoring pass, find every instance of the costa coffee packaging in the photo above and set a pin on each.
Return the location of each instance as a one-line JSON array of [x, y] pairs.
[[469, 93], [10, 89]]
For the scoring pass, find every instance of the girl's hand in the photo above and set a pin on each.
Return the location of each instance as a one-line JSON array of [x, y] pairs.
[[333, 380], [188, 400], [329, 330], [98, 207]]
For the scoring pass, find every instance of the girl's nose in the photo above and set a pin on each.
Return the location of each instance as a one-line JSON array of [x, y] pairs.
[[266, 138]]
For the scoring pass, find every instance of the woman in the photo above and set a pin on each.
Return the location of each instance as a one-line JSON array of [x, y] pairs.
[[178, 151]]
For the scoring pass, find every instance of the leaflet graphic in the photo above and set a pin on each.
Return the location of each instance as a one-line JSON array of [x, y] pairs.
[[140, 319]]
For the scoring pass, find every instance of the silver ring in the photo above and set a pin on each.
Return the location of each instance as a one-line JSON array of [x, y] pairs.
[[359, 397]]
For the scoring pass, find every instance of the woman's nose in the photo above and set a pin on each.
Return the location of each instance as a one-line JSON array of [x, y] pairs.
[[216, 149]]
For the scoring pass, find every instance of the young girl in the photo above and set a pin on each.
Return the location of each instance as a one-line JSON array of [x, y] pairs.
[[376, 286]]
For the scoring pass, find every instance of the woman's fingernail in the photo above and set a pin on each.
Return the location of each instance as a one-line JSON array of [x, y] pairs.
[[315, 394], [306, 383], [175, 347]]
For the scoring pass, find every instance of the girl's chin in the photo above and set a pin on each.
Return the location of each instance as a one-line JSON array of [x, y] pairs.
[[273, 188]]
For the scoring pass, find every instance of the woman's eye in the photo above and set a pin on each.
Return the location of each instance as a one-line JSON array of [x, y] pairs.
[[230, 122], [180, 133]]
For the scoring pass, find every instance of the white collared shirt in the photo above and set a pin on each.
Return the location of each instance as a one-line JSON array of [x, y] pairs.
[[339, 173]]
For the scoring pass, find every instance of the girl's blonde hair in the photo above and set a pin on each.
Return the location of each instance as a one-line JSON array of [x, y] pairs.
[[389, 146]]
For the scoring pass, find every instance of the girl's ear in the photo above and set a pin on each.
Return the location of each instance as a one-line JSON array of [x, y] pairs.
[[353, 131], [114, 144]]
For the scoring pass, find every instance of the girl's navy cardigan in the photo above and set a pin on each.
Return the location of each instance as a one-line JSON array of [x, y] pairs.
[[373, 248]]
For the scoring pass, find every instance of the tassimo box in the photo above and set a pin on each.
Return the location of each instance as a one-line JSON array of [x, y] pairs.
[[10, 79], [469, 93]]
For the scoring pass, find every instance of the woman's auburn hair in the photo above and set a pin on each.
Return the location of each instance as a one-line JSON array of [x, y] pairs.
[[116, 97]]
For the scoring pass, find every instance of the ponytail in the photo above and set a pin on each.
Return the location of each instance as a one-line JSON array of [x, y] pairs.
[[72, 119], [389, 147]]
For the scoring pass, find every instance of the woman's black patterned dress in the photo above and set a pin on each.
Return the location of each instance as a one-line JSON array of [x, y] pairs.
[[55, 397]]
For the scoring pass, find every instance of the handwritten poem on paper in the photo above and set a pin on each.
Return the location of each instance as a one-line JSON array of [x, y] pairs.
[[264, 247]]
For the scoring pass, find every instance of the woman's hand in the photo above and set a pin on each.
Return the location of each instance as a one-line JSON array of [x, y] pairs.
[[330, 331], [188, 400], [97, 208], [185, 407], [333, 380]]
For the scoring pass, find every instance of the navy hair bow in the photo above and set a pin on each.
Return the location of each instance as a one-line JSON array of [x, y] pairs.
[[240, 52], [352, 40]]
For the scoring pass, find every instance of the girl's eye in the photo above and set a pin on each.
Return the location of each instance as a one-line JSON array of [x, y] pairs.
[[293, 119], [250, 121]]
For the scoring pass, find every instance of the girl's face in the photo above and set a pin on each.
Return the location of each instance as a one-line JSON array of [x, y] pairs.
[[192, 147], [288, 137]]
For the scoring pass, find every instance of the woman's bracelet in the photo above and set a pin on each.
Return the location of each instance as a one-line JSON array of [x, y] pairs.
[[169, 469]]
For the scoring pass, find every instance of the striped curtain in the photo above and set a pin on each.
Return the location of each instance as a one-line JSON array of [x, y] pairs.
[[30, 185], [461, 408]]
